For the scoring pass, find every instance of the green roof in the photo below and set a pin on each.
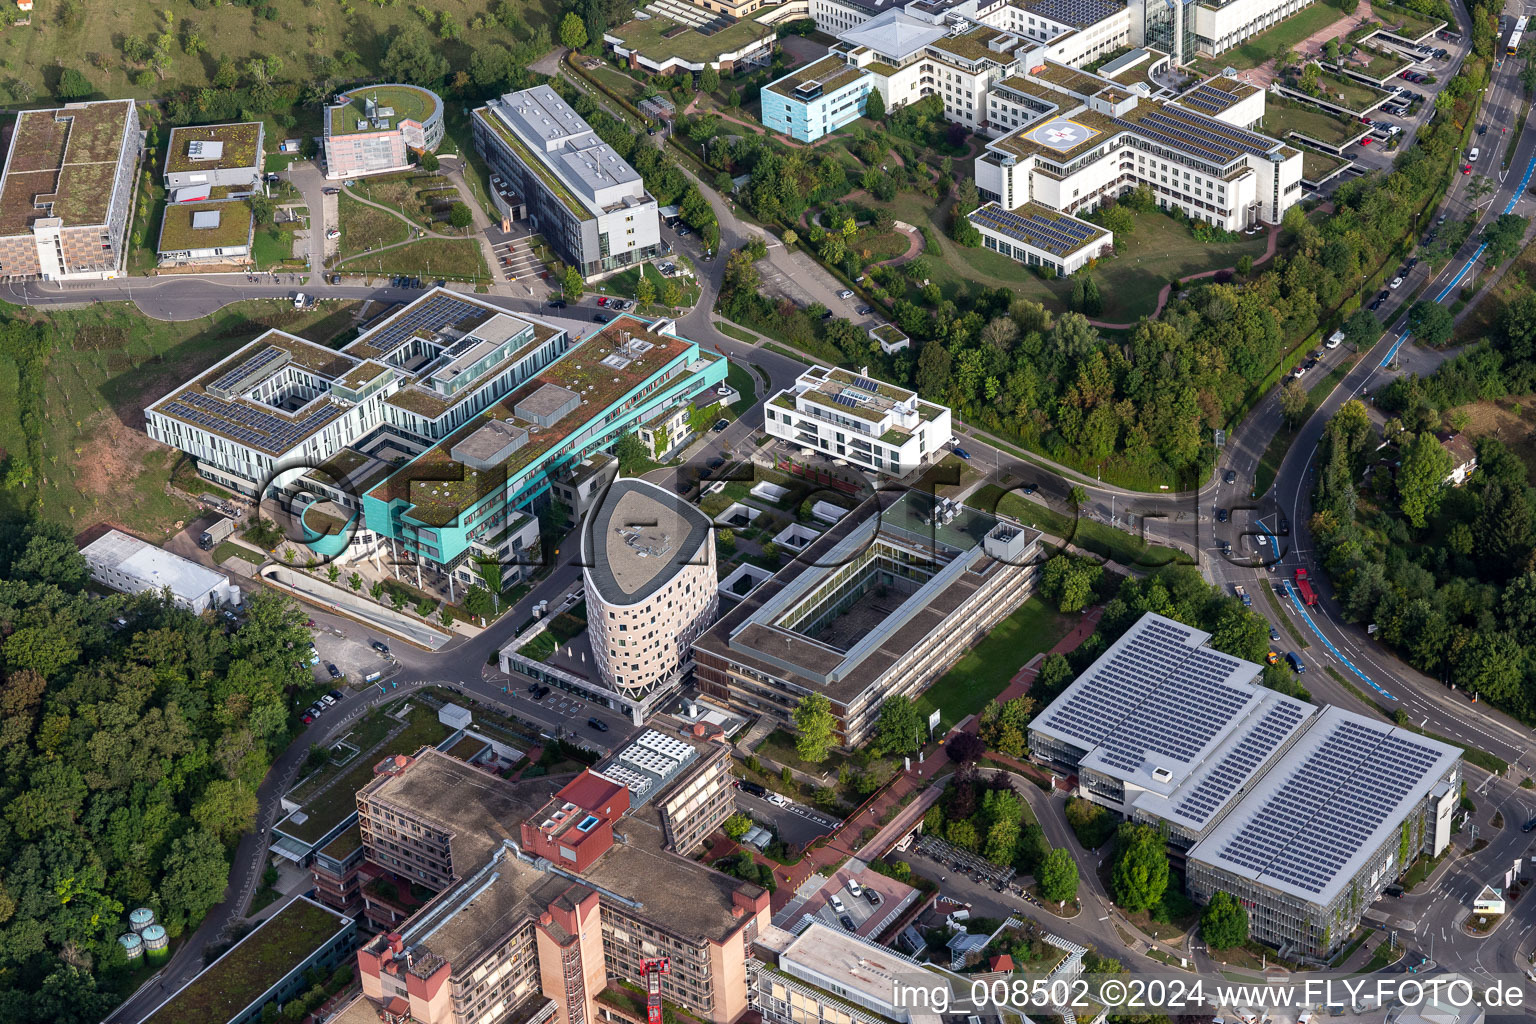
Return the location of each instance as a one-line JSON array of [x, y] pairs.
[[973, 46], [408, 102], [660, 39], [233, 228], [262, 959], [239, 146], [831, 72]]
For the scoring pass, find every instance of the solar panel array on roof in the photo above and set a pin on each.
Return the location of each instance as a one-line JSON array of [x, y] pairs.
[[250, 426], [1187, 131], [434, 314], [1316, 820], [1078, 13], [1239, 763], [1204, 97], [247, 368], [866, 384], [1103, 697], [848, 400], [1058, 235], [1180, 717]]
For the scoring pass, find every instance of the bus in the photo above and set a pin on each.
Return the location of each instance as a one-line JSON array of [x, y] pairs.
[[1514, 37]]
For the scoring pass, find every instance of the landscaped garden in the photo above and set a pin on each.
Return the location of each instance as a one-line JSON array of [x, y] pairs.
[[1283, 116]]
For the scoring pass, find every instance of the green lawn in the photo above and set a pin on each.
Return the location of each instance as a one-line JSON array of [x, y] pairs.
[[96, 463], [732, 331], [1159, 248], [1090, 535], [739, 378], [228, 549], [1282, 37], [1316, 165], [365, 228], [431, 259], [1347, 92], [399, 192], [271, 245], [625, 282], [986, 669], [1283, 115]]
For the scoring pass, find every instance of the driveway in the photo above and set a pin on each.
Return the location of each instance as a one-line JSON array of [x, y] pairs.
[[306, 177]]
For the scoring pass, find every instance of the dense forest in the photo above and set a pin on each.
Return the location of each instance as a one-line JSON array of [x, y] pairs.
[[1145, 401], [1447, 574], [133, 736]]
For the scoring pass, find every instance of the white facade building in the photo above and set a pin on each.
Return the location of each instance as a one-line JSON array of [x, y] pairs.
[[133, 566], [875, 426], [1221, 26]]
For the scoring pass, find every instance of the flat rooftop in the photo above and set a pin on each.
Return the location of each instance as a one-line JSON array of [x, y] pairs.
[[602, 368], [855, 964], [830, 73], [973, 45], [1151, 708], [1039, 226], [253, 965], [1080, 82], [638, 538], [893, 33], [156, 566], [214, 147], [1328, 804], [1215, 95], [952, 565], [392, 104], [63, 163], [1197, 134], [1061, 137], [205, 225], [566, 145], [1076, 13]]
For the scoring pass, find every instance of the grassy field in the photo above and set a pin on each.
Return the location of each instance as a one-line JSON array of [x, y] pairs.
[[986, 668], [1282, 115], [454, 259], [1347, 92], [271, 245], [1090, 535], [1315, 165], [365, 228], [1284, 36], [732, 331], [399, 192], [624, 284], [229, 549], [1158, 249], [98, 465], [80, 35]]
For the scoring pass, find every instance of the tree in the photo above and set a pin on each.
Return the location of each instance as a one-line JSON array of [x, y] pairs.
[[1057, 875], [1004, 727], [645, 291], [573, 32], [1293, 401], [899, 730], [429, 162], [671, 293], [1077, 497], [355, 582], [1362, 328], [817, 727], [73, 85], [195, 876], [477, 602], [709, 79], [1225, 922], [413, 57], [1140, 875], [262, 209], [631, 454], [459, 216], [737, 825], [1421, 478], [1431, 323], [572, 283], [1503, 238], [376, 590], [227, 809], [874, 106], [965, 747], [227, 76]]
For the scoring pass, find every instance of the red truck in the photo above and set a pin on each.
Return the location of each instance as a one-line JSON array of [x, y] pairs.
[[1308, 595]]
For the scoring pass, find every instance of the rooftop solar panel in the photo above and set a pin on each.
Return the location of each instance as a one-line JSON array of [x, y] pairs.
[[430, 316], [866, 384], [247, 368], [847, 400]]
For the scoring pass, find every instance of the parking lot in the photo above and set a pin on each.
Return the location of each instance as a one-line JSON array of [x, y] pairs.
[[515, 258], [353, 658], [796, 823]]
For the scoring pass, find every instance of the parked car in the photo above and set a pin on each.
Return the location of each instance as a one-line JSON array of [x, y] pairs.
[[330, 191], [328, 701], [872, 897], [334, 672], [855, 888], [1285, 526], [756, 789], [602, 300], [720, 424], [601, 318], [380, 646], [1294, 660], [557, 304], [846, 293], [1272, 658], [836, 903], [598, 724], [1395, 891], [338, 695], [845, 921], [1466, 168], [683, 232], [308, 718], [1473, 155], [865, 310], [1274, 634], [1375, 305], [963, 453]]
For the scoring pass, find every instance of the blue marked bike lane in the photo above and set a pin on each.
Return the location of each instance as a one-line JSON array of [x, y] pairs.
[[1290, 592], [1513, 199]]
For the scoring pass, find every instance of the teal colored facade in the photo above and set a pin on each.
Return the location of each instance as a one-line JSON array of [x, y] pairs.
[[490, 510], [807, 114]]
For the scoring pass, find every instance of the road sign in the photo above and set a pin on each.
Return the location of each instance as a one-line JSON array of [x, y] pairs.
[[933, 722]]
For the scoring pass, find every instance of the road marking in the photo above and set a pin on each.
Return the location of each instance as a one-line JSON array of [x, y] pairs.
[[1307, 618]]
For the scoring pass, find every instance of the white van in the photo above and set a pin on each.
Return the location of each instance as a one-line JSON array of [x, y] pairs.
[[855, 888], [1334, 340], [836, 903], [1472, 156]]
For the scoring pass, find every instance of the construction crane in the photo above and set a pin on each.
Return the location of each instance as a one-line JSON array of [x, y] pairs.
[[653, 970]]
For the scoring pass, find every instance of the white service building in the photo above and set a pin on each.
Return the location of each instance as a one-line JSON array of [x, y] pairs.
[[133, 566], [878, 427]]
